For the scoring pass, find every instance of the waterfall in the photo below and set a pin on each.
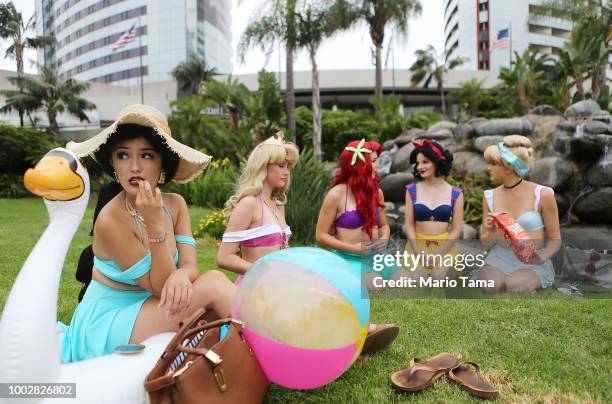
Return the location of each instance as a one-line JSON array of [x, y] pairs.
[[579, 130]]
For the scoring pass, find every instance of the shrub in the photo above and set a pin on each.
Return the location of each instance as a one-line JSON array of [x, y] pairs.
[[212, 188], [473, 187], [212, 225], [21, 148], [11, 186], [309, 182]]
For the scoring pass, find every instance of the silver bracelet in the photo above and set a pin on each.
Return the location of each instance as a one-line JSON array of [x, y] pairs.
[[158, 240]]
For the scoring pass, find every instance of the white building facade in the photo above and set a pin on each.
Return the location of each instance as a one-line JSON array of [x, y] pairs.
[[167, 33], [471, 26]]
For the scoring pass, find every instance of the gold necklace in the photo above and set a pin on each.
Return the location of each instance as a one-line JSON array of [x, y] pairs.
[[283, 235], [133, 212]]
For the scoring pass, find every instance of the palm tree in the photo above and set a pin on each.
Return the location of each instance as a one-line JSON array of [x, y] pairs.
[[379, 14], [429, 66], [264, 110], [55, 95], [13, 28], [232, 95], [275, 22], [19, 101], [525, 76], [597, 15], [563, 83], [191, 73], [469, 95], [315, 22]]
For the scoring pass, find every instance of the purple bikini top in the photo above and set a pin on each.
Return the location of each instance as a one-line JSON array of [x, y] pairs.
[[351, 219]]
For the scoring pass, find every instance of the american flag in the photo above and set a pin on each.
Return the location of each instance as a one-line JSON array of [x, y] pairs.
[[125, 38], [502, 39]]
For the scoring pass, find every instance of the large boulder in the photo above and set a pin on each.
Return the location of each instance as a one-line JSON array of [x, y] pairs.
[[483, 142], [546, 110], [582, 109], [408, 136], [546, 128], [469, 162], [596, 127], [504, 127], [600, 174], [388, 145], [586, 237], [554, 172], [438, 126], [439, 136], [563, 203], [394, 186], [468, 232], [401, 160], [567, 126], [463, 132], [476, 122], [578, 148], [595, 207]]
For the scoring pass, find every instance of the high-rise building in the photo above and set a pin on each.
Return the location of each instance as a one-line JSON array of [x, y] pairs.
[[166, 32], [472, 26]]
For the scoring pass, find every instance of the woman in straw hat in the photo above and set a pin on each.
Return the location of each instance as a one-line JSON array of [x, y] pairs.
[[256, 212], [144, 276], [534, 208]]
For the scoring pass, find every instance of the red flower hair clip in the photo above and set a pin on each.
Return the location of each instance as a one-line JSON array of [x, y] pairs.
[[429, 144]]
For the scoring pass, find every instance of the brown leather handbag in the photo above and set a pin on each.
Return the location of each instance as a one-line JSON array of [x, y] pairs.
[[197, 367]]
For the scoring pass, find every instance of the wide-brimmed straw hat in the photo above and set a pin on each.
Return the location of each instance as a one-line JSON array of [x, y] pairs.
[[191, 162]]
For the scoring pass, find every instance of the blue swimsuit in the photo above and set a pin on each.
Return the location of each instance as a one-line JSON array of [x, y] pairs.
[[106, 316]]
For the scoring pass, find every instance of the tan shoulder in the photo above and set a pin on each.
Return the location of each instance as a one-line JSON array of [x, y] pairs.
[[248, 202], [337, 191]]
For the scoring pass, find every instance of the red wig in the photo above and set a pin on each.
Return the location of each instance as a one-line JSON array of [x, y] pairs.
[[364, 186]]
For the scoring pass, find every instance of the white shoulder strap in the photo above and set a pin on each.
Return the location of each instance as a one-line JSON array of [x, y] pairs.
[[489, 197], [249, 234], [538, 194]]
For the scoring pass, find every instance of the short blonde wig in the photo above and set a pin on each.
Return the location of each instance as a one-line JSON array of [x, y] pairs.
[[254, 173], [516, 144]]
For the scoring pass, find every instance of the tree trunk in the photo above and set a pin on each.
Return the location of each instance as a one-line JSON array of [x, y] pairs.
[[19, 57], [378, 91], [440, 81], [234, 121], [316, 108], [567, 100], [523, 101], [597, 80], [290, 48], [290, 93], [473, 108], [579, 86], [53, 122]]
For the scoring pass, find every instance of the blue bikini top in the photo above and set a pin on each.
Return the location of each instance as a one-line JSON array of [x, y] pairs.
[[113, 272], [530, 220], [441, 213]]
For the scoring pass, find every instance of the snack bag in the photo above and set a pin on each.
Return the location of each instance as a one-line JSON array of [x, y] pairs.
[[523, 247]]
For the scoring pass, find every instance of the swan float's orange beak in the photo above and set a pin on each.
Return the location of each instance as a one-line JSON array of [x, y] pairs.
[[55, 178]]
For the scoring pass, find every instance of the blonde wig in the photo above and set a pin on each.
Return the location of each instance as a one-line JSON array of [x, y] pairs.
[[516, 144], [254, 173]]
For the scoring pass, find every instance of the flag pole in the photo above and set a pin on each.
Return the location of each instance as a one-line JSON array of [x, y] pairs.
[[140, 57], [510, 42]]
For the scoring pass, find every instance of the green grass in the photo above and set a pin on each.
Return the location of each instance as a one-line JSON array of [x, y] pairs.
[[556, 350]]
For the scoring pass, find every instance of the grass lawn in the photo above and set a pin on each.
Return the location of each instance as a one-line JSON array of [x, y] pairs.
[[556, 350]]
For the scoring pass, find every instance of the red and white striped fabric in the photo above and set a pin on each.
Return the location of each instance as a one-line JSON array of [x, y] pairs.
[[125, 38], [502, 39]]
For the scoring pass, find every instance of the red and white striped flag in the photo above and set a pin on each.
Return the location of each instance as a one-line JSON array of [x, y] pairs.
[[125, 38], [502, 40]]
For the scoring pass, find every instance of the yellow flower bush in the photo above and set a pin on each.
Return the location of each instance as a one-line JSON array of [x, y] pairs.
[[212, 225]]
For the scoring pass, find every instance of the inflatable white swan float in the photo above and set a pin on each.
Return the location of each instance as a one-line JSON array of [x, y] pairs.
[[29, 351]]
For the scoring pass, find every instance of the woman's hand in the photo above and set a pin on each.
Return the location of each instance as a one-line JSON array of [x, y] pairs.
[[536, 259], [176, 293], [489, 223], [381, 245], [149, 205]]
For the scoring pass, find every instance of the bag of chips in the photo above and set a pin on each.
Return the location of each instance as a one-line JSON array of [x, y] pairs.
[[522, 245]]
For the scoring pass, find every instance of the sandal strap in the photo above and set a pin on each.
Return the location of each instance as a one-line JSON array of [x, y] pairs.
[[451, 373], [415, 366]]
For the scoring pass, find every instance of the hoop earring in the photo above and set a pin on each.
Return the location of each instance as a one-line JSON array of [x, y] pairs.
[[116, 178], [162, 178]]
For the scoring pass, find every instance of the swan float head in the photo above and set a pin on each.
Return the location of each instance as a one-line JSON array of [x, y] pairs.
[[62, 181]]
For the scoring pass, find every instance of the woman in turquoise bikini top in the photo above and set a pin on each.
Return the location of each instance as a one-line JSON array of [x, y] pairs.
[[137, 249]]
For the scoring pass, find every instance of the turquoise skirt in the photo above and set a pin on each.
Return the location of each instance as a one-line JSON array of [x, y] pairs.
[[364, 265], [103, 320]]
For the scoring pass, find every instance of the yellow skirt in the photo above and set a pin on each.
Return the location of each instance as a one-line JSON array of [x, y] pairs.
[[430, 244]]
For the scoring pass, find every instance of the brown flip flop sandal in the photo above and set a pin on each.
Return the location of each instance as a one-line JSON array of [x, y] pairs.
[[380, 338], [422, 373], [474, 382]]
